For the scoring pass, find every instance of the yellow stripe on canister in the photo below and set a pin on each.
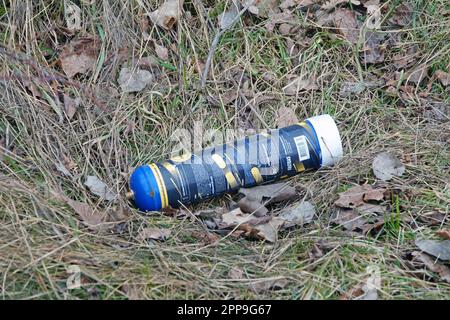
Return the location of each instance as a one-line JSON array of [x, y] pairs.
[[256, 175], [161, 185], [228, 174], [299, 166]]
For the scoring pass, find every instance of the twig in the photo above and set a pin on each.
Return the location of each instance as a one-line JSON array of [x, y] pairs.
[[216, 41]]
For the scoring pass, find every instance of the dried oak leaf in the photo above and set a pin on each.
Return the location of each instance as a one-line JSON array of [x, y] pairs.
[[402, 15], [286, 4], [207, 238], [299, 215], [361, 292], [270, 284], [92, 218], [333, 3], [373, 50], [385, 166], [71, 105], [349, 219], [355, 196], [99, 188], [417, 75], [168, 14], [154, 234], [286, 117], [269, 231], [346, 24], [275, 192], [265, 228], [434, 266], [236, 217], [262, 8], [162, 52], [79, 56], [443, 77], [439, 249], [134, 80], [301, 83], [364, 218], [432, 218]]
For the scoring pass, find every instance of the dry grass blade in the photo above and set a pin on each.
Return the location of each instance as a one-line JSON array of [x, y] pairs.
[[64, 116]]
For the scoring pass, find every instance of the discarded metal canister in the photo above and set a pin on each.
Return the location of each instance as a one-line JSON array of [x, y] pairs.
[[262, 158]]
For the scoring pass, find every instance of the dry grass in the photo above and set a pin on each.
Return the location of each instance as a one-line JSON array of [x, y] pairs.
[[41, 236]]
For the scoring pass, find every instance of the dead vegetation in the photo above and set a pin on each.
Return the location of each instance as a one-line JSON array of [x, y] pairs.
[[90, 89]]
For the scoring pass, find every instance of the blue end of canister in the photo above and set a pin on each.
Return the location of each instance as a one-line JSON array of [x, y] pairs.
[[146, 193]]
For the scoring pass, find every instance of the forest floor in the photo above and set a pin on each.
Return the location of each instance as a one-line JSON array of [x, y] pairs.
[[380, 68]]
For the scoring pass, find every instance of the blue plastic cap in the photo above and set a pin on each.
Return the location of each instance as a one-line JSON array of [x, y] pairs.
[[146, 193]]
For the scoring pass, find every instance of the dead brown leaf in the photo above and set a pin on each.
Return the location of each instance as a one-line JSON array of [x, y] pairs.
[[286, 4], [99, 188], [349, 219], [147, 62], [373, 50], [443, 77], [265, 228], [154, 234], [285, 28], [402, 15], [286, 117], [367, 289], [431, 264], [333, 3], [360, 292], [444, 233], [207, 238], [32, 87], [405, 58], [417, 75], [346, 24], [161, 52], [302, 213], [356, 196], [301, 83], [374, 194], [355, 214], [269, 231], [270, 193], [71, 105], [89, 216], [353, 293], [242, 218], [263, 8], [316, 252], [386, 165], [285, 17], [79, 56], [168, 14], [432, 218], [438, 248], [270, 284], [237, 217], [134, 79]]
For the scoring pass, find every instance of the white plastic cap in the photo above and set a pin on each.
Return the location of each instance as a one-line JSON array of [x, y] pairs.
[[329, 138]]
